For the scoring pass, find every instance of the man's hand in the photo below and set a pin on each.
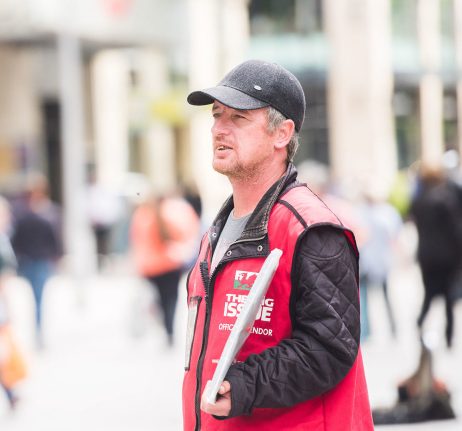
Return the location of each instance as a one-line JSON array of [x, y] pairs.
[[222, 405]]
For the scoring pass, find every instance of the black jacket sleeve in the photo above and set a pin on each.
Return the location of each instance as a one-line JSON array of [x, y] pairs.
[[326, 329]]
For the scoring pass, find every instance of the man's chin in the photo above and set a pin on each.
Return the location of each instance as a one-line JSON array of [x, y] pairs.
[[230, 170], [221, 168]]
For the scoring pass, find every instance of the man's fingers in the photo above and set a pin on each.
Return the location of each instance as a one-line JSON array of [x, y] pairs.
[[225, 387], [222, 406]]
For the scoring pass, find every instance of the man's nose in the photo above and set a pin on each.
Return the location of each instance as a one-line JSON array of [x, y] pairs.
[[220, 127]]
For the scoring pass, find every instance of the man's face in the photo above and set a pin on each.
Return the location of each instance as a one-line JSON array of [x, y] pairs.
[[242, 145]]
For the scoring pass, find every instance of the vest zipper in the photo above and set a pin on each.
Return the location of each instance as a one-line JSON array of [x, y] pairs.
[[207, 280], [197, 402]]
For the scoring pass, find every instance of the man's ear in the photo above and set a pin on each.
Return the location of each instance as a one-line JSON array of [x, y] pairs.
[[283, 133]]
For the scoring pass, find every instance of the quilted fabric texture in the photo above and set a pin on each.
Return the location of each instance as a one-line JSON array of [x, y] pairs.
[[325, 341]]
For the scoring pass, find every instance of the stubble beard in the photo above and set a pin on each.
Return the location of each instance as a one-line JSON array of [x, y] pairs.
[[236, 170], [241, 172]]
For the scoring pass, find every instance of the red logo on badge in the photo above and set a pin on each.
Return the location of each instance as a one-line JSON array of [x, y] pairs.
[[244, 280]]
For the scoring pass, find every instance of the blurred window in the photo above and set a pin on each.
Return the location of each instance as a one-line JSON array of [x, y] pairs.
[[450, 119], [134, 78], [285, 16], [404, 18], [314, 136], [52, 146], [135, 161], [447, 18], [448, 50], [404, 35], [407, 125]]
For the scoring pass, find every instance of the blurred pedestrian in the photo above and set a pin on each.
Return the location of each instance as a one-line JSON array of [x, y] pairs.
[[11, 365], [301, 366], [105, 210], [36, 241], [453, 170], [437, 214], [163, 235], [382, 223], [191, 193], [451, 165], [7, 257]]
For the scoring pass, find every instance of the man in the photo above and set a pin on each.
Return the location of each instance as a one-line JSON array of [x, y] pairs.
[[300, 367], [37, 241], [436, 211]]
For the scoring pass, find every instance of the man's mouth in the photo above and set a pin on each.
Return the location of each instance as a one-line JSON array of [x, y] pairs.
[[223, 147]]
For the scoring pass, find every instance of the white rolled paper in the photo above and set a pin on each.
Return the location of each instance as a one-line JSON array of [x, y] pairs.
[[244, 323]]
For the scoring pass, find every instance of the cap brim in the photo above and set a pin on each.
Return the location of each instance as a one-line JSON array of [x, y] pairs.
[[228, 96]]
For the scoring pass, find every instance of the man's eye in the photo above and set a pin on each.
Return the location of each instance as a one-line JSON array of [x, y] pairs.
[[238, 116]]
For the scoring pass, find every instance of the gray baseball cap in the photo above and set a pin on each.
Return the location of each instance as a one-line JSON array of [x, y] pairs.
[[256, 84]]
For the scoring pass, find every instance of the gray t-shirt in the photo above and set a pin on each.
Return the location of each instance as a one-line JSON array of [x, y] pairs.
[[230, 233]]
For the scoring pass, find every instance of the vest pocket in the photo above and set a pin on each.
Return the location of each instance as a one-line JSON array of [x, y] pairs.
[[193, 307]]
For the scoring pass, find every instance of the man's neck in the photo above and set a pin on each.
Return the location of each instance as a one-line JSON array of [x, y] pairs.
[[248, 192]]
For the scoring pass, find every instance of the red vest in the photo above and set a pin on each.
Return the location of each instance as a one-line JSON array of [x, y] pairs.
[[344, 408]]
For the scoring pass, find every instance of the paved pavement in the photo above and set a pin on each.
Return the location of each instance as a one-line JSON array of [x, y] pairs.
[[106, 365], [388, 361]]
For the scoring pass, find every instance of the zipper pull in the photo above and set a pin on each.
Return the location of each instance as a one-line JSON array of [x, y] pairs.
[[204, 268]]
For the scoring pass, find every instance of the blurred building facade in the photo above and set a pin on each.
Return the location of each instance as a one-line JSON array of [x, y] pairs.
[[381, 78], [104, 83], [78, 86]]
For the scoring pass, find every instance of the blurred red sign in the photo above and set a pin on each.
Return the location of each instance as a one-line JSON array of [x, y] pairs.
[[118, 7]]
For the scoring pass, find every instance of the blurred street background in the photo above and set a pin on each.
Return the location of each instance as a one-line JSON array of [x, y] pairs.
[[98, 144]]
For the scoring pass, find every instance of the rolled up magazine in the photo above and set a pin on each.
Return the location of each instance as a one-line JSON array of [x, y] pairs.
[[244, 323]]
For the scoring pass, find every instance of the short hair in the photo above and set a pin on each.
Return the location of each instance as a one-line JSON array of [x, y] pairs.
[[275, 119]]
